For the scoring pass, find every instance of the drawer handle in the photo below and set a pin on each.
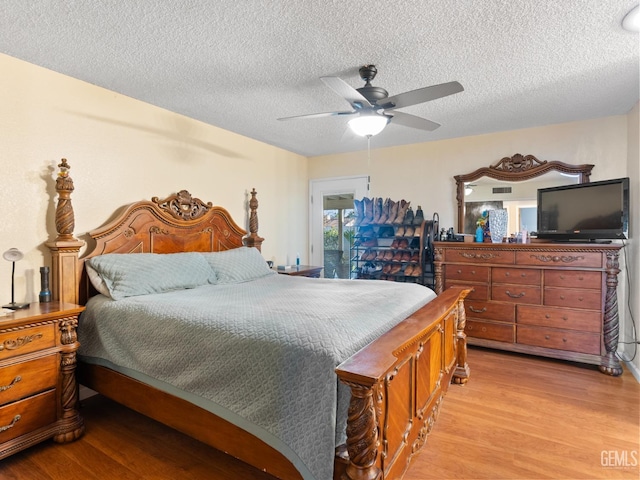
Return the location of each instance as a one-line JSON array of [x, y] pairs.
[[459, 271], [515, 295], [477, 310], [19, 342], [12, 424], [484, 329], [546, 337], [4, 388]]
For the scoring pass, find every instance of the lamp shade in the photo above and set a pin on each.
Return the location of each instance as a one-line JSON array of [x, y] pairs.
[[368, 125]]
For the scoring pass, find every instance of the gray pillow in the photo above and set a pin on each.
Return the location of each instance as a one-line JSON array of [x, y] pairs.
[[126, 275], [238, 265]]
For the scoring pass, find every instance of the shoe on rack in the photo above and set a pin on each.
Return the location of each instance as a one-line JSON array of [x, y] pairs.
[[397, 257], [380, 255], [403, 243], [408, 217], [400, 231], [407, 270], [388, 256], [419, 217], [406, 256], [384, 216], [377, 210], [358, 206], [394, 244], [386, 268], [415, 257], [417, 271], [395, 269], [402, 212], [409, 231], [393, 212], [367, 217]]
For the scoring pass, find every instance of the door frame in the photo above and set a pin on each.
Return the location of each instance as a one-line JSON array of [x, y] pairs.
[[358, 185]]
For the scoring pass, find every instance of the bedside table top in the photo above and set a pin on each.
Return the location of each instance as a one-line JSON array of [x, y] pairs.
[[41, 311], [302, 270]]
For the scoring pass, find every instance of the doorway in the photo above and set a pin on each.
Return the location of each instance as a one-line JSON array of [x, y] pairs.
[[333, 222]]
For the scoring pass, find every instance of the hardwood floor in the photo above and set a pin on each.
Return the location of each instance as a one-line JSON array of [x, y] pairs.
[[520, 417]]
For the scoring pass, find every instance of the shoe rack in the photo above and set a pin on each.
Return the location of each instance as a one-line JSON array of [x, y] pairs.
[[392, 242]]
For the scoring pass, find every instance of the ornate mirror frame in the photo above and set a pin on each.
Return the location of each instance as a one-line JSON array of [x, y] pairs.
[[516, 169]]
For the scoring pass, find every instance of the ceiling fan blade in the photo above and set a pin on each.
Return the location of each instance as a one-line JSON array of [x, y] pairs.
[[342, 88], [319, 115], [421, 95], [408, 120]]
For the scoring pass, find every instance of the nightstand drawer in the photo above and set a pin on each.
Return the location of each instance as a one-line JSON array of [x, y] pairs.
[[26, 378], [27, 340], [582, 342], [27, 415]]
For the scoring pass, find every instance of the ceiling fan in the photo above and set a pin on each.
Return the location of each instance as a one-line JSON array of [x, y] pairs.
[[374, 108]]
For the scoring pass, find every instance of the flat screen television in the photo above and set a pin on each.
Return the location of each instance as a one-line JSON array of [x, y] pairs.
[[596, 211]]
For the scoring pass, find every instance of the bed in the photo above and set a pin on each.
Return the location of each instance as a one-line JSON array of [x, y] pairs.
[[345, 393]]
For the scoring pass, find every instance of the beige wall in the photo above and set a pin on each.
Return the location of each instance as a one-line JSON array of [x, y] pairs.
[[423, 173], [633, 248], [122, 150]]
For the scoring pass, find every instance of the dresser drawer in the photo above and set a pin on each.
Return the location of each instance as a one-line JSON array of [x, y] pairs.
[[504, 312], [520, 276], [517, 293], [27, 415], [478, 291], [26, 378], [32, 339], [574, 298], [560, 259], [501, 332], [480, 255], [469, 273], [559, 339], [573, 279], [586, 321]]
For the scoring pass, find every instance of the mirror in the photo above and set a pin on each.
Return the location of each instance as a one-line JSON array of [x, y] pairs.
[[512, 183]]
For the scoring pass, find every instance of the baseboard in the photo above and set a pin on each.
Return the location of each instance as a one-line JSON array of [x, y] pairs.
[[634, 370]]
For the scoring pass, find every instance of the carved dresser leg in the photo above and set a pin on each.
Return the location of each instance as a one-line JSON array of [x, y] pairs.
[[462, 372], [610, 363]]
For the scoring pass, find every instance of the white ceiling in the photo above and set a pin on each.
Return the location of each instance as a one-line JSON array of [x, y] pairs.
[[241, 64]]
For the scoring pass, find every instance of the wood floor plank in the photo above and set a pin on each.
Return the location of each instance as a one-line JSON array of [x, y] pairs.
[[518, 418]]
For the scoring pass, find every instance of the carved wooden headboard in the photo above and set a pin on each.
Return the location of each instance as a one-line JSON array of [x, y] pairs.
[[178, 223]]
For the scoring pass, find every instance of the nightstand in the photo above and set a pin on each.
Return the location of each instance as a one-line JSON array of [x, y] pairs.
[[302, 271], [38, 390]]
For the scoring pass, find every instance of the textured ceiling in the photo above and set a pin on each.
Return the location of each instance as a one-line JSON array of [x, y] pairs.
[[241, 64]]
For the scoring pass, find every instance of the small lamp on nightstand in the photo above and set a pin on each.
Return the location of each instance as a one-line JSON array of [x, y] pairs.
[[13, 255]]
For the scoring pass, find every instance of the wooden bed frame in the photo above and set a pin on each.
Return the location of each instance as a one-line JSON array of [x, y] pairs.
[[397, 382]]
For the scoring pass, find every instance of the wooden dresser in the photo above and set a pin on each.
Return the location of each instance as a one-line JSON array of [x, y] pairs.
[[38, 390], [551, 299]]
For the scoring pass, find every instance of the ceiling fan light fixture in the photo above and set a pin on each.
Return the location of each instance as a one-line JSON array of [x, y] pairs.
[[368, 125], [631, 21]]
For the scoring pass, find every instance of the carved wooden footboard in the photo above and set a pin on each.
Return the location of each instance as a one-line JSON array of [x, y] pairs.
[[397, 385], [397, 382]]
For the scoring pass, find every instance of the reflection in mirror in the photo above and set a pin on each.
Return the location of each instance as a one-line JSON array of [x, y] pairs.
[[512, 184]]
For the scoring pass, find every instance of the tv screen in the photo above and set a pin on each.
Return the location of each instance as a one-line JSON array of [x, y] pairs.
[[587, 211]]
